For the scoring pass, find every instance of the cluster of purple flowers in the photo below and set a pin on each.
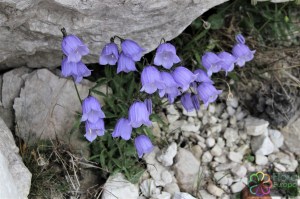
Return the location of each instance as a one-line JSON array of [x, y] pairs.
[[72, 65]]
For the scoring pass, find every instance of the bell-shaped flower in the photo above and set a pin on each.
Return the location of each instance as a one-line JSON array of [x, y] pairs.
[[228, 61], [195, 101], [143, 145], [92, 130], [183, 77], [166, 56], [109, 54], [171, 87], [208, 93], [242, 53], [148, 103], [125, 64], [123, 129], [139, 115], [211, 62], [239, 38], [77, 70], [186, 102], [91, 110], [132, 49], [151, 80], [202, 76], [74, 48]]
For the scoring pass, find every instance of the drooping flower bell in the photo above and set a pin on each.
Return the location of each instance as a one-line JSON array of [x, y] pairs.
[[123, 129], [171, 87], [239, 38], [183, 77], [109, 54], [139, 115], [195, 101], [208, 93], [211, 62], [74, 48], [242, 53], [166, 56], [125, 64], [92, 130], [151, 80], [132, 49], [143, 145], [202, 76], [91, 110], [186, 102], [77, 70], [148, 103], [228, 61]]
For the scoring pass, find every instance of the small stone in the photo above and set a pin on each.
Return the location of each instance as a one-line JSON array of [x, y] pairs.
[[235, 157], [225, 116], [213, 120], [172, 118], [240, 115], [176, 125], [262, 144], [165, 157], [237, 187], [172, 110], [183, 195], [156, 130], [233, 102], [256, 126], [214, 190], [197, 151], [232, 121], [230, 111], [220, 142], [225, 166], [216, 150], [166, 176], [216, 129], [163, 195], [210, 142], [221, 159], [231, 136], [276, 137], [221, 177], [190, 127], [261, 160], [148, 187], [206, 157], [172, 188], [239, 171], [190, 114], [205, 195], [279, 167], [211, 109]]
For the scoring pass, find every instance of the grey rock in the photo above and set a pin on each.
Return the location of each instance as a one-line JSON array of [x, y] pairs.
[[197, 151], [216, 150], [162, 195], [292, 136], [233, 102], [117, 186], [148, 188], [235, 156], [225, 166], [262, 145], [214, 190], [239, 171], [221, 177], [7, 115], [1, 82], [261, 159], [30, 30], [276, 137], [13, 81], [172, 188], [231, 136], [190, 114], [237, 187], [165, 157], [210, 142], [15, 178], [186, 170], [207, 157], [230, 110], [190, 127], [183, 195], [206, 195], [255, 126]]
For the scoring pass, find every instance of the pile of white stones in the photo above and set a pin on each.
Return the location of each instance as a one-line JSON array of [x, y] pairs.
[[209, 154]]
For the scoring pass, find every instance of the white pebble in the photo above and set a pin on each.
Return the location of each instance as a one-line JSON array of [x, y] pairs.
[[210, 142]]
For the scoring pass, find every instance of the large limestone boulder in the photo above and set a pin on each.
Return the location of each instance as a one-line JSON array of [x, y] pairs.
[[30, 29], [15, 178]]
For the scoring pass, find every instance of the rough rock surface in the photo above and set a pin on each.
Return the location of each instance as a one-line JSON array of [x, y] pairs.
[[15, 177], [47, 107], [30, 30], [292, 136]]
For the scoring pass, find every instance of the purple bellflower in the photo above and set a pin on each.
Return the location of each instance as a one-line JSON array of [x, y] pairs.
[[228, 61], [148, 103], [239, 38], [74, 48], [171, 87], [143, 145], [242, 53], [202, 76], [139, 115], [196, 102], [211, 62], [109, 54], [94, 129], [208, 93], [166, 56], [183, 77], [132, 49], [76, 70], [125, 64], [91, 110], [151, 80], [122, 129], [186, 102]]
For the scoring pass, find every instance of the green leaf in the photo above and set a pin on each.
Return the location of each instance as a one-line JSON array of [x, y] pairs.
[[216, 21]]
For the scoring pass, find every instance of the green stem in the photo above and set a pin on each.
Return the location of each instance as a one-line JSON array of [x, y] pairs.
[[77, 92]]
